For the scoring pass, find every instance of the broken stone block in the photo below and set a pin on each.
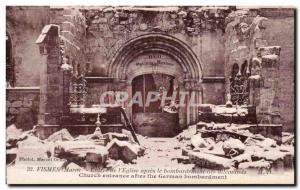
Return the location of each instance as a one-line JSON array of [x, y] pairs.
[[205, 108], [183, 160], [198, 142], [210, 161], [123, 150], [29, 141], [119, 136], [246, 157], [62, 135], [262, 166], [216, 149], [185, 151], [202, 125], [13, 136], [233, 147], [187, 134], [12, 132], [222, 135], [99, 154], [81, 138], [287, 139], [96, 158], [267, 143], [76, 151], [130, 137]]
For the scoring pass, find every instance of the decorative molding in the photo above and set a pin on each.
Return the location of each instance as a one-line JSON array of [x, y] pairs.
[[213, 80], [99, 79], [24, 89]]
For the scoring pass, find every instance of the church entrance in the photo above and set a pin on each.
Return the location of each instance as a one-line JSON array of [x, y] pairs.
[[153, 67], [156, 114]]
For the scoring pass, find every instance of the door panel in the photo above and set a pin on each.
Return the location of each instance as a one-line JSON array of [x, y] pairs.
[[151, 120]]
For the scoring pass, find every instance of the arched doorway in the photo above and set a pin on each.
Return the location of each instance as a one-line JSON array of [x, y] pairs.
[[146, 61], [156, 114]]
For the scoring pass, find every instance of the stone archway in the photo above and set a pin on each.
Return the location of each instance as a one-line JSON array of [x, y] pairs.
[[158, 53]]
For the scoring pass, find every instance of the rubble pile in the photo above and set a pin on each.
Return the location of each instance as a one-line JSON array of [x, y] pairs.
[[226, 113], [90, 151], [233, 146]]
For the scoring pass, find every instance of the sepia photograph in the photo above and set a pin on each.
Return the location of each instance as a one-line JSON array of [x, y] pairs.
[[201, 95]]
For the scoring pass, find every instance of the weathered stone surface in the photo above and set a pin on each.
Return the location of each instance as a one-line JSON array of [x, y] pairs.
[[261, 165], [16, 104], [233, 147], [96, 158], [12, 132], [14, 111], [119, 136], [188, 133], [267, 143], [198, 142], [62, 135], [27, 103], [124, 150], [84, 153], [288, 139], [205, 160], [183, 160]]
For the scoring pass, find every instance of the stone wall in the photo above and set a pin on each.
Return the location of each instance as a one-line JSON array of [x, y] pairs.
[[88, 39], [72, 36], [24, 24], [22, 105], [109, 29], [62, 47], [281, 32], [258, 37]]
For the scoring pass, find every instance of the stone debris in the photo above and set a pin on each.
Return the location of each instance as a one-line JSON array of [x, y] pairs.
[[119, 136], [12, 132], [261, 164], [234, 146], [198, 142], [187, 134], [205, 160], [288, 139], [183, 160], [61, 135], [83, 152], [125, 151], [267, 143], [13, 135]]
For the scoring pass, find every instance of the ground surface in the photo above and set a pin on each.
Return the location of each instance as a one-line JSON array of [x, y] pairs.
[[160, 153]]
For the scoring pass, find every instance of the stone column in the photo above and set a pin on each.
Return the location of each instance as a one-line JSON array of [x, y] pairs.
[[268, 109], [50, 108]]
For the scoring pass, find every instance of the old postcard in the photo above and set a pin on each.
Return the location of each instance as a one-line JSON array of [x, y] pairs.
[[150, 95]]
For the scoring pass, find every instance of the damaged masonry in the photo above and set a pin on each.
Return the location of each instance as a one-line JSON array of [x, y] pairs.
[[123, 88]]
